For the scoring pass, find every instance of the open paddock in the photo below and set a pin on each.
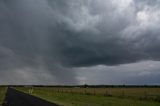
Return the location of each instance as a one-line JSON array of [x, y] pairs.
[[78, 96]]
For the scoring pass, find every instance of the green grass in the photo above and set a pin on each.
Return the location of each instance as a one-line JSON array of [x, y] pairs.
[[67, 99], [80, 99], [2, 94]]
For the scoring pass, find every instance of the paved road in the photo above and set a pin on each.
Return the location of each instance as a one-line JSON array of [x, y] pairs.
[[16, 98]]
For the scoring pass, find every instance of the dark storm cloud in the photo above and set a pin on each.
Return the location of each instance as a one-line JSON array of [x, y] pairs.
[[28, 45], [55, 35], [99, 33]]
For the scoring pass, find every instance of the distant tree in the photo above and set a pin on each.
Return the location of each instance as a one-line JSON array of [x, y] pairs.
[[85, 85]]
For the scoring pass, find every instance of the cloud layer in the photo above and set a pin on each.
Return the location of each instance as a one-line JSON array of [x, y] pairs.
[[45, 41]]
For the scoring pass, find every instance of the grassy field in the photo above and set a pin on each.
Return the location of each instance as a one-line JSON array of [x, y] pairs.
[[2, 94], [98, 96]]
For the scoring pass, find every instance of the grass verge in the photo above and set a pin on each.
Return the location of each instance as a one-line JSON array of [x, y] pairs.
[[2, 94]]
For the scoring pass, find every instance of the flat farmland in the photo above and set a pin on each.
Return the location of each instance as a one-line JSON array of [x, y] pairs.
[[2, 94], [97, 96]]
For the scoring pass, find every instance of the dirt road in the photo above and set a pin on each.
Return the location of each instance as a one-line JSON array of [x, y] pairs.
[[17, 98]]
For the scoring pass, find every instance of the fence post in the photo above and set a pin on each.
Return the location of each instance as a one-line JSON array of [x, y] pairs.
[[94, 91]]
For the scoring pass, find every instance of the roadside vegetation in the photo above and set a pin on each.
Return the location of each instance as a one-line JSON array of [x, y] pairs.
[[97, 96], [2, 94]]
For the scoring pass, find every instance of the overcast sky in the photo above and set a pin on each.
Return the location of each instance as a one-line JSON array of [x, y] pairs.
[[79, 41]]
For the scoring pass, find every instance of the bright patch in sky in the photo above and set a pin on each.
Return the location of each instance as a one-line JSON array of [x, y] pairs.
[[142, 17], [122, 4]]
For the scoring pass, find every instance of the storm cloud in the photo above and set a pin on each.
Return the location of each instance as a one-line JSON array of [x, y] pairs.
[[47, 41]]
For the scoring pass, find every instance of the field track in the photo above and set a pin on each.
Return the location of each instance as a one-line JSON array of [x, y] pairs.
[[17, 98]]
